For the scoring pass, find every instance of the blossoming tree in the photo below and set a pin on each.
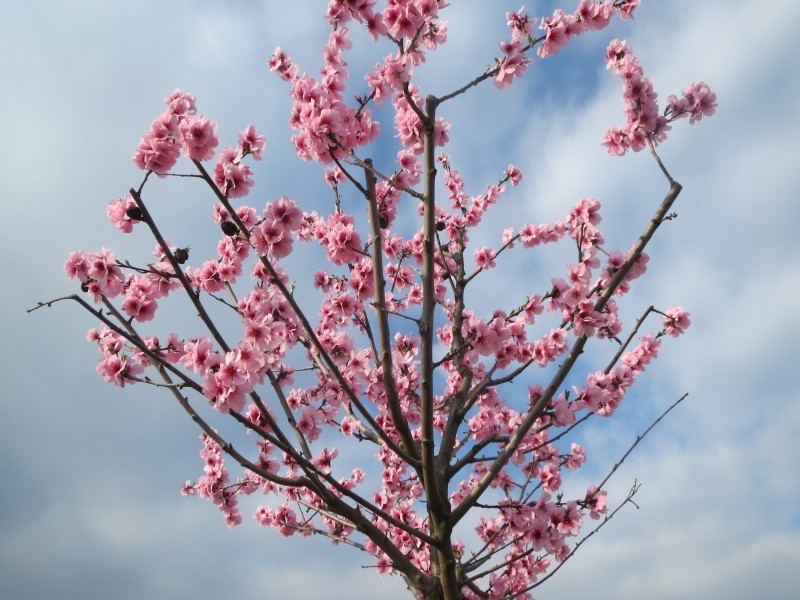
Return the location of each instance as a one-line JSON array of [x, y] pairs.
[[393, 367]]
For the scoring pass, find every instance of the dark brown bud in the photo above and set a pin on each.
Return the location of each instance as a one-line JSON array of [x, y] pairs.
[[383, 221], [181, 255], [229, 228], [440, 225], [84, 287], [135, 213]]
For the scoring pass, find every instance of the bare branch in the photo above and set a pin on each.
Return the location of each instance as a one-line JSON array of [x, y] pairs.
[[639, 438], [384, 332]]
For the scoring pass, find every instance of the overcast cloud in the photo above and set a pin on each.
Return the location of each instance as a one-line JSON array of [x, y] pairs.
[[89, 506]]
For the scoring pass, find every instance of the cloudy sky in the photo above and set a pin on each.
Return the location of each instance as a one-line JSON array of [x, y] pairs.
[[89, 505]]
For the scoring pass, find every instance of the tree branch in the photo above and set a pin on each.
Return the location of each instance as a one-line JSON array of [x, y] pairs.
[[384, 333]]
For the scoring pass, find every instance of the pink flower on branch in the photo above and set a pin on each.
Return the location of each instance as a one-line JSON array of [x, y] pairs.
[[199, 137], [119, 213], [644, 123], [676, 321], [513, 64]]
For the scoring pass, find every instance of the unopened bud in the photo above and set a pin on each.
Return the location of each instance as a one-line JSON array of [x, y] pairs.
[[181, 255], [135, 213]]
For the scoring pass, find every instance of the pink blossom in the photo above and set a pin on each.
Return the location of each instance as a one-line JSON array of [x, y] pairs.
[[106, 276], [181, 104], [586, 320], [361, 279], [118, 370], [563, 412], [641, 110], [514, 175], [342, 239], [349, 426], [638, 358], [550, 477], [199, 136], [284, 212], [576, 458], [77, 266], [324, 460], [699, 101], [198, 355], [270, 238], [568, 519], [283, 65], [156, 154], [557, 33], [626, 8], [375, 26], [251, 142], [616, 141], [520, 24], [596, 502], [207, 277], [118, 211], [389, 76], [140, 299], [676, 321], [615, 53], [484, 257], [514, 64], [232, 178], [594, 14], [402, 18]]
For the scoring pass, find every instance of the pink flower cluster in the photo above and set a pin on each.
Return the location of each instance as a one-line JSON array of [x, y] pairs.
[[283, 518], [232, 177], [338, 234], [101, 276], [676, 321], [326, 125], [643, 121], [513, 64], [116, 366], [119, 213], [560, 28], [98, 273], [698, 100], [160, 147], [179, 129], [409, 126], [215, 485], [272, 235]]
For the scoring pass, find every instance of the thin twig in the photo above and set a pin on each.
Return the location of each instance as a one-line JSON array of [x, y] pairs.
[[639, 438], [628, 498]]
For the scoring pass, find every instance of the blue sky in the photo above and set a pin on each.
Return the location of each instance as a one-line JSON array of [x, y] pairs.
[[89, 506]]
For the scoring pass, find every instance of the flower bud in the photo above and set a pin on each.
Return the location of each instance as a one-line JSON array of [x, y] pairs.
[[229, 228], [135, 213], [181, 255]]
